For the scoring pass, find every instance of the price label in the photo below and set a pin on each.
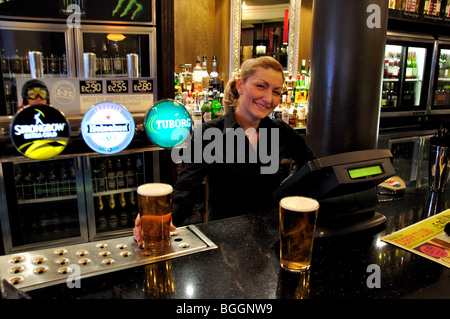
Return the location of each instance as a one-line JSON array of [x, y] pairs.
[[142, 86], [91, 87], [116, 86]]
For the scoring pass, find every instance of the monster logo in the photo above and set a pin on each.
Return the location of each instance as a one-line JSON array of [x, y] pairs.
[[129, 6]]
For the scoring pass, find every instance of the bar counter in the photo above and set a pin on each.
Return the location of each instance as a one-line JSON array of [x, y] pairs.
[[246, 265]]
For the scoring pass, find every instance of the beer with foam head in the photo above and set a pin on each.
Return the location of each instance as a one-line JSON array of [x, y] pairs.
[[298, 216], [155, 201]]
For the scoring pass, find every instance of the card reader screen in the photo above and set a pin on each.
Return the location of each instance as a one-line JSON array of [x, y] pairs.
[[365, 171]]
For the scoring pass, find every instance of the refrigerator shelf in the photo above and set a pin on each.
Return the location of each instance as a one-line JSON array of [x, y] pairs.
[[46, 199]]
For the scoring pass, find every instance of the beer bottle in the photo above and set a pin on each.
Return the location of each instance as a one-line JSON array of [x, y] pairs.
[[72, 180], [18, 181], [105, 62], [100, 216], [111, 175], [28, 184], [120, 174], [100, 177], [41, 185], [131, 174], [113, 219], [139, 170], [123, 213], [133, 210], [52, 185]]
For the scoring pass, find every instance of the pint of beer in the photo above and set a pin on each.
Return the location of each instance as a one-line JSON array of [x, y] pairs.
[[298, 216], [155, 201]]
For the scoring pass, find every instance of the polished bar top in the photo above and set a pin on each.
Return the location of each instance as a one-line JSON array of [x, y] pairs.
[[246, 265]]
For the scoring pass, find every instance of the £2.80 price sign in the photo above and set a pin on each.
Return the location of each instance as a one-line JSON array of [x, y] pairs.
[[142, 86]]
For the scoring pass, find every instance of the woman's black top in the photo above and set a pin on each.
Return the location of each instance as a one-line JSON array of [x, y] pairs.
[[238, 183]]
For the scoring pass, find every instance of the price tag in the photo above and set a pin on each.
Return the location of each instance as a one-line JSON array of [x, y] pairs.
[[91, 87], [142, 86], [116, 86]]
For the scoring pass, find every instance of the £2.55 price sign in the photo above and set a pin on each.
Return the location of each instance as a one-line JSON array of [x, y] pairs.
[[116, 86]]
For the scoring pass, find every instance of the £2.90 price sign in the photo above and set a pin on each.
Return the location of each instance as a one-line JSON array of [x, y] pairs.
[[142, 86], [116, 86], [91, 87]]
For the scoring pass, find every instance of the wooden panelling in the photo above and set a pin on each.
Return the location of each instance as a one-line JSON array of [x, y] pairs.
[[202, 27]]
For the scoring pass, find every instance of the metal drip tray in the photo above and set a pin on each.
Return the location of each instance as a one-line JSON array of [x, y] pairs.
[[41, 268]]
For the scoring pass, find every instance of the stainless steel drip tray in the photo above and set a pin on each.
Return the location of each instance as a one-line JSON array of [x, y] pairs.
[[51, 266]]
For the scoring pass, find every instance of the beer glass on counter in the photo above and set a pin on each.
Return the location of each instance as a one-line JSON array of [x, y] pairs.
[[155, 201], [298, 216]]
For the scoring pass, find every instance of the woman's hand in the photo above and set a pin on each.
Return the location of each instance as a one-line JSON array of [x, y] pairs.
[[137, 231]]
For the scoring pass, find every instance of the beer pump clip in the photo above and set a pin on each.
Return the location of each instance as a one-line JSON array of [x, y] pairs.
[[345, 186]]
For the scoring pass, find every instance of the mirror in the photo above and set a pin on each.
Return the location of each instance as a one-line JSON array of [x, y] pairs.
[[276, 8]]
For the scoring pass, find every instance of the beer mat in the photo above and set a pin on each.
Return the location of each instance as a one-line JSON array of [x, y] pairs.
[[67, 264], [425, 238]]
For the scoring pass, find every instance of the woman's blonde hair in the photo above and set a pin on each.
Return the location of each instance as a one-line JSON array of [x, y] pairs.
[[248, 68]]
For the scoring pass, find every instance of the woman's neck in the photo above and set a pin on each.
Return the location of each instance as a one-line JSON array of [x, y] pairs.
[[244, 120]]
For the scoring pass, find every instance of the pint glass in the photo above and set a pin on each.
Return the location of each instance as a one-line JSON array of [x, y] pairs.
[[298, 216], [155, 201]]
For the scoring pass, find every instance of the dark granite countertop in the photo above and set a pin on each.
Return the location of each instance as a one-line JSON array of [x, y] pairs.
[[246, 265]]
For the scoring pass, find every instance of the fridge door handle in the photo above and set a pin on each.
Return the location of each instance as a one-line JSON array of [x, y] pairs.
[[87, 163]]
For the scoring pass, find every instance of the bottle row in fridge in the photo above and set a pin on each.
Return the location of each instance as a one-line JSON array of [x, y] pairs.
[[56, 180]]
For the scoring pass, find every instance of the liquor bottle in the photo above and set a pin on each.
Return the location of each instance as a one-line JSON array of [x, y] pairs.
[[384, 95], [409, 72], [205, 76], [131, 174], [215, 107], [206, 110], [113, 216], [303, 67], [283, 110], [120, 174], [197, 75], [414, 65], [105, 61], [132, 208], [393, 94], [303, 90], [177, 88], [116, 58], [123, 213], [297, 90], [301, 116], [215, 75], [111, 175], [187, 77], [101, 221]]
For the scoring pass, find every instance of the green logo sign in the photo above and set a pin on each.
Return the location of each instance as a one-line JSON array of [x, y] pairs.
[[168, 123]]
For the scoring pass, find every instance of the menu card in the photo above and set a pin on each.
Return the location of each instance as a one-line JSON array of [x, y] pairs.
[[425, 238]]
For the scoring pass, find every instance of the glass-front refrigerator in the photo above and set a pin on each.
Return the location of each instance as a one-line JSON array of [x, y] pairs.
[[43, 203], [111, 198], [441, 97], [406, 75], [17, 39]]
